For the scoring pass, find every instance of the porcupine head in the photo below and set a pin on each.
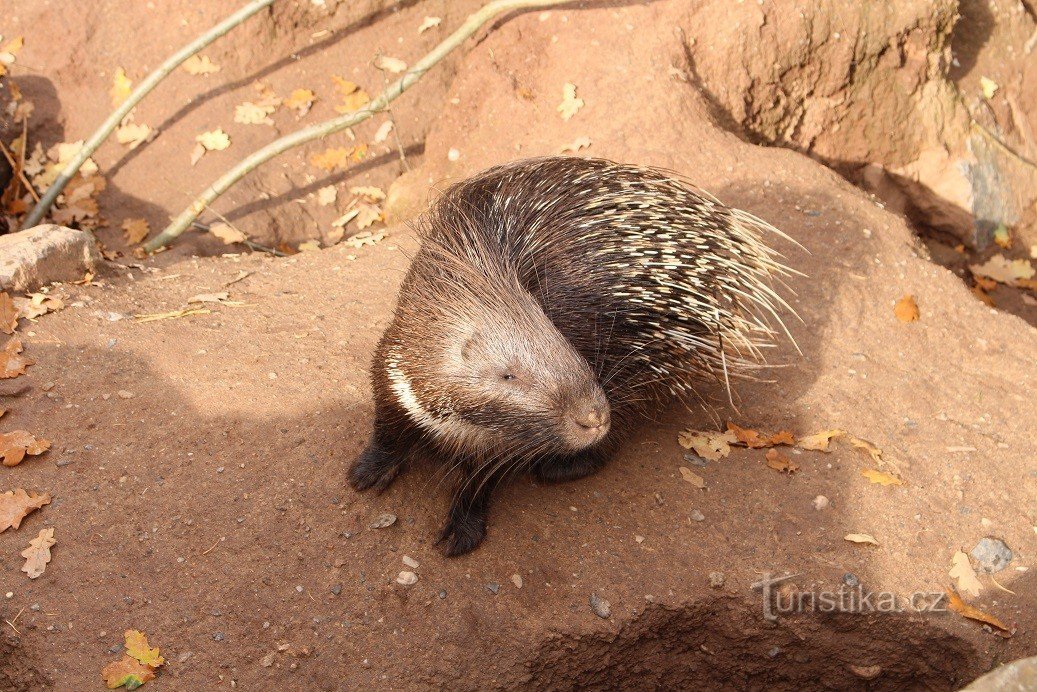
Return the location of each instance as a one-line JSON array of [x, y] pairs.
[[475, 363]]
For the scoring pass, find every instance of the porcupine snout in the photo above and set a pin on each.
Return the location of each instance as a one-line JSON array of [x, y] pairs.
[[587, 418]]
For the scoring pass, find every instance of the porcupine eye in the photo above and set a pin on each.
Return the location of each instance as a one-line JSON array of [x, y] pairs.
[[507, 377]]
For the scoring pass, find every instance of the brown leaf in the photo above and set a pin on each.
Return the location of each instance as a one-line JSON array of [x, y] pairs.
[[126, 671], [906, 309], [779, 462], [330, 159], [16, 504], [300, 101], [37, 555], [880, 477], [12, 364], [353, 97], [15, 445], [755, 440], [693, 478], [136, 230], [227, 233], [960, 607], [714, 445], [819, 442], [962, 572], [8, 314], [861, 538]]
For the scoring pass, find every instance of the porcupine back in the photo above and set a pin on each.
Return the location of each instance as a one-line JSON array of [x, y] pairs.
[[658, 286]]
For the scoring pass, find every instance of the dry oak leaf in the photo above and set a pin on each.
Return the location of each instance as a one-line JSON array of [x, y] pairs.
[[819, 442], [429, 23], [373, 194], [1003, 270], [332, 158], [860, 538], [960, 607], [713, 445], [388, 64], [133, 134], [227, 233], [136, 230], [353, 97], [15, 445], [214, 140], [754, 440], [126, 671], [9, 314], [137, 647], [880, 477], [249, 113], [962, 572], [781, 463], [300, 101], [121, 86], [16, 504], [576, 145], [327, 195], [693, 478], [906, 309], [12, 364], [570, 102], [363, 238], [368, 214], [199, 64], [9, 53], [37, 555]]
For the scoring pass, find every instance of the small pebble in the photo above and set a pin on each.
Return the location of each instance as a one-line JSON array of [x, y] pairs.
[[493, 587], [336, 589], [697, 515], [992, 554], [218, 637], [410, 562], [600, 606], [639, 539], [716, 579], [124, 394], [453, 154], [516, 579], [820, 502], [63, 462], [407, 578], [442, 595], [267, 660], [47, 386], [383, 521], [694, 459], [775, 650], [851, 580]]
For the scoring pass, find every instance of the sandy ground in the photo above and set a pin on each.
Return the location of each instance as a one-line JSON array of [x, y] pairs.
[[210, 508]]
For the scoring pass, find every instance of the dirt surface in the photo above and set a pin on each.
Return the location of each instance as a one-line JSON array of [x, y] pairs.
[[209, 508]]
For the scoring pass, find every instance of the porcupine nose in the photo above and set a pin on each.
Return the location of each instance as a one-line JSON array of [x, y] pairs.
[[591, 419]]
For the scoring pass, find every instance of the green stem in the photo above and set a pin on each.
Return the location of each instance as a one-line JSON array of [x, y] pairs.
[[183, 221], [149, 83]]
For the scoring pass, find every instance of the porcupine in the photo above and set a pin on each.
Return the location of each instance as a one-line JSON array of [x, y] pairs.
[[555, 302]]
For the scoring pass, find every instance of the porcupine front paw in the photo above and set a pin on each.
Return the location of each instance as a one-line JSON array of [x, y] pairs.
[[569, 468], [375, 468], [465, 526]]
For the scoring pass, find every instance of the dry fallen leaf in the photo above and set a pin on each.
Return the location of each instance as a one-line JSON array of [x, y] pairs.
[[693, 478], [37, 555], [219, 297], [576, 145], [372, 193], [136, 230], [363, 238], [779, 462], [133, 134], [249, 113], [819, 442], [300, 101], [214, 140], [988, 86], [860, 538], [880, 477], [121, 87], [368, 214], [327, 195], [171, 315], [10, 51], [16, 504], [1003, 270], [570, 102], [332, 158], [126, 671], [714, 445], [1003, 237], [906, 309], [137, 647], [755, 440], [428, 23], [200, 64], [961, 570], [960, 607], [9, 314], [15, 445], [12, 364], [387, 64], [353, 97], [227, 233], [382, 133]]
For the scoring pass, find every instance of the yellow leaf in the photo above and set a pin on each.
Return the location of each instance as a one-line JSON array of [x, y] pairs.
[[989, 87], [713, 445], [133, 134], [200, 64], [126, 671], [309, 246], [327, 195], [136, 230], [330, 159], [300, 100], [214, 140], [137, 647], [249, 113], [860, 538], [819, 442], [961, 570], [10, 53], [693, 478], [960, 607], [906, 309], [387, 64], [880, 477], [37, 555], [121, 87], [368, 215], [570, 102], [1001, 269]]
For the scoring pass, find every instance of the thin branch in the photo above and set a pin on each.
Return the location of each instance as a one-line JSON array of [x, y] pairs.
[[308, 134], [149, 83]]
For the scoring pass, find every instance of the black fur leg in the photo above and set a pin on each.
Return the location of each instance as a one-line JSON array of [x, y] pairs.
[[376, 467], [466, 521], [569, 468]]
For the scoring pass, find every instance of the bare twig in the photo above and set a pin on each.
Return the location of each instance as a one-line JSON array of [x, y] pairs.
[[149, 83], [20, 167], [319, 130]]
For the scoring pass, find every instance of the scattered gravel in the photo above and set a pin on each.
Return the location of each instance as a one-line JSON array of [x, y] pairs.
[[383, 521]]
